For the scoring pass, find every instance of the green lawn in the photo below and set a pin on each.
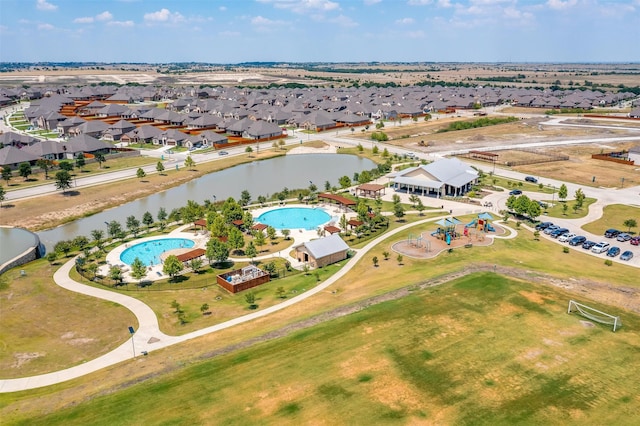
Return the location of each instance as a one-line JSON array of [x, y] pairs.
[[484, 349], [557, 209], [614, 216]]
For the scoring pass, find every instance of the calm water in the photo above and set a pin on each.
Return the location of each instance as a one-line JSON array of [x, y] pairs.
[[294, 218], [149, 252], [15, 241], [259, 178]]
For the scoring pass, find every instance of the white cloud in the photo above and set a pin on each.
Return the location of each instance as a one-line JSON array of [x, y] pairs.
[[405, 21], [561, 4], [4, 29], [104, 16], [371, 2], [44, 5], [120, 23], [222, 8], [46, 27], [343, 21], [163, 15], [83, 20], [262, 21], [419, 2], [303, 6], [445, 4]]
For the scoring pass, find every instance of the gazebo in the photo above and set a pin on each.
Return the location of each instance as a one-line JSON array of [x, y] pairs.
[[370, 190]]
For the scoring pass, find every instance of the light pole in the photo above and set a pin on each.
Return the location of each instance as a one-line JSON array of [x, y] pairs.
[[132, 331]]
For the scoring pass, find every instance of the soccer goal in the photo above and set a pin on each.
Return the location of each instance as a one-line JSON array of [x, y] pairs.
[[594, 314]]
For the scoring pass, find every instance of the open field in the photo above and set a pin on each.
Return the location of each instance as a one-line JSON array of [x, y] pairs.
[[453, 354], [45, 328], [613, 216], [582, 169]]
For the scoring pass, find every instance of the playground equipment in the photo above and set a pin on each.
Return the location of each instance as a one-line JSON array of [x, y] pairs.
[[448, 230], [481, 223]]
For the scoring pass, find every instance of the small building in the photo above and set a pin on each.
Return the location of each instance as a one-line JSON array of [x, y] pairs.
[[243, 279], [323, 251], [372, 190], [634, 154]]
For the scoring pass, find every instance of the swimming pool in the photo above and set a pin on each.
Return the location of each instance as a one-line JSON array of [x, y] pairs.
[[294, 218], [149, 251]]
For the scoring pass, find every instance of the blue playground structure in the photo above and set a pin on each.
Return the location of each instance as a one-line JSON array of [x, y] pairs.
[[481, 223]]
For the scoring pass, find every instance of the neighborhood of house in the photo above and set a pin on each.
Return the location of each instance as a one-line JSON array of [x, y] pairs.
[[90, 119]]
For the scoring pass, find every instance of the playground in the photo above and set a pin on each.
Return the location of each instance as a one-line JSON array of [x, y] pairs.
[[451, 233]]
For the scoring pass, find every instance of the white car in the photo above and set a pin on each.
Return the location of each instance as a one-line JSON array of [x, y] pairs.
[[601, 247], [566, 237]]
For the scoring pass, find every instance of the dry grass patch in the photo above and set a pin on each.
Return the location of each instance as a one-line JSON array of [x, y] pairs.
[[44, 328]]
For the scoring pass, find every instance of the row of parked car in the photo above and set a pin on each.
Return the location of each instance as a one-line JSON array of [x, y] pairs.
[[566, 236]]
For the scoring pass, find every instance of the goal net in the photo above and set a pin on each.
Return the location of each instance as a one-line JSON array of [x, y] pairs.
[[594, 314]]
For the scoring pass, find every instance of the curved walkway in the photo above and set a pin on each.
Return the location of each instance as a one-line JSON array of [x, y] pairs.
[[148, 336]]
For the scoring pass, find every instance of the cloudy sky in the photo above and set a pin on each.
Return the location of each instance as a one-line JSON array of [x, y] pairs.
[[231, 31]]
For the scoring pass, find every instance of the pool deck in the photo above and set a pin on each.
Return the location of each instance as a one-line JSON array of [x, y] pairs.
[[299, 236], [153, 272]]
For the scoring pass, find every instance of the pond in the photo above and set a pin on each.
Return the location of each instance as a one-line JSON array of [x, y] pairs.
[[259, 178]]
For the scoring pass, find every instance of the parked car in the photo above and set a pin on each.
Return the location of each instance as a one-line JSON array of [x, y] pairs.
[[558, 232], [613, 251], [223, 153], [627, 255], [611, 233], [531, 179], [577, 240], [587, 245], [623, 237], [515, 192], [543, 225], [542, 204], [600, 247], [635, 241], [550, 229], [566, 237]]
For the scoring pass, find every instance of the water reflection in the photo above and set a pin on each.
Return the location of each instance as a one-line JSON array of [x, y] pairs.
[[259, 178]]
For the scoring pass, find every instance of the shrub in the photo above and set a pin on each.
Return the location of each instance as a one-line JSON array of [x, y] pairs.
[[608, 262], [565, 249]]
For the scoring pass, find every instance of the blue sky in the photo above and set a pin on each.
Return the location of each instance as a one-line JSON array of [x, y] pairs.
[[231, 31]]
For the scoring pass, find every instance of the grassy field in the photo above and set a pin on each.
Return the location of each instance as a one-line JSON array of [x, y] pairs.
[[45, 328], [454, 354], [613, 216], [557, 210]]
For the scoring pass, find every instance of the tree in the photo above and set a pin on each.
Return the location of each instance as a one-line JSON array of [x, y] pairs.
[[251, 251], [563, 192], [63, 247], [160, 168], [270, 268], [579, 196], [92, 268], [533, 210], [133, 225], [248, 150], [398, 210], [52, 256], [191, 212], [399, 259], [344, 182], [281, 143], [286, 233], [172, 267], [235, 239], [565, 207], [375, 261], [81, 242], [414, 200], [195, 264], [114, 229], [140, 173], [138, 269], [262, 199], [115, 273], [217, 250], [63, 180], [250, 298], [630, 223], [375, 150], [281, 293], [97, 236], [7, 174], [80, 161], [259, 239], [66, 166], [147, 220], [189, 163], [25, 170], [245, 198], [385, 254], [99, 157], [204, 309], [271, 232], [3, 194], [343, 222], [420, 207], [44, 165]]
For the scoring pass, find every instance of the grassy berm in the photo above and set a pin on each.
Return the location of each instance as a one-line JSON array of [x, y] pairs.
[[484, 349]]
